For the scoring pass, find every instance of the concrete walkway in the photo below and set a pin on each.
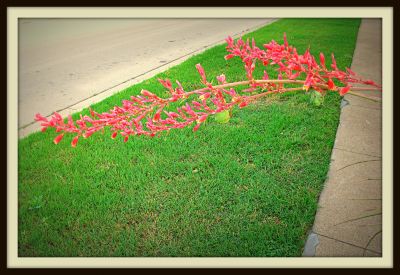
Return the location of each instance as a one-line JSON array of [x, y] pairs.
[[349, 218], [66, 65]]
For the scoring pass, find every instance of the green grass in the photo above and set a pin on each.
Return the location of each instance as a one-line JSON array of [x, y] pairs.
[[246, 188]]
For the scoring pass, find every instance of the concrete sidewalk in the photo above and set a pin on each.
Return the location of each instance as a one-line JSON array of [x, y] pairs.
[[349, 218]]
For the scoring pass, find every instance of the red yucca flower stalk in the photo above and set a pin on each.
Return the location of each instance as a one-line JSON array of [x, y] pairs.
[[146, 114]]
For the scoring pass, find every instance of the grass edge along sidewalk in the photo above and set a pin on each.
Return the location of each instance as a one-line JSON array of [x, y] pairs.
[[247, 188]]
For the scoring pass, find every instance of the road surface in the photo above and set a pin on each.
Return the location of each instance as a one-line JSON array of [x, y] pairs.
[[63, 62]]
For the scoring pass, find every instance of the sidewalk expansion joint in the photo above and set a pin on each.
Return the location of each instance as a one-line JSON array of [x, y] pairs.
[[359, 162], [365, 180], [369, 108], [363, 199], [359, 218], [364, 248], [341, 149], [370, 240]]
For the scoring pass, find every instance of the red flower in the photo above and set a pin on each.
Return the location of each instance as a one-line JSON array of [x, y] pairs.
[[229, 40], [39, 117], [285, 40], [322, 59], [243, 104], [137, 100], [157, 115], [344, 90], [307, 82], [294, 76], [331, 85], [333, 65], [147, 93], [88, 134], [221, 79], [201, 72], [202, 118], [58, 139], [74, 141], [350, 71], [195, 128], [370, 82], [166, 83], [204, 96], [229, 56], [265, 77]]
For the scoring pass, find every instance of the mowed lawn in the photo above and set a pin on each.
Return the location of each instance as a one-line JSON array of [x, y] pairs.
[[246, 188]]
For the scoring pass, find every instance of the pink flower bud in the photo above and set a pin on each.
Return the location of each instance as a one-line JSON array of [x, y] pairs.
[[333, 65], [243, 104], [344, 90], [39, 117], [147, 93], [58, 139], [322, 59], [137, 100], [240, 42], [350, 71], [88, 134], [294, 76], [331, 85], [197, 105], [174, 98], [157, 115], [74, 141], [166, 83], [229, 56], [58, 116], [70, 121], [195, 128], [229, 40], [204, 96], [265, 77], [201, 72], [370, 82], [202, 118], [173, 115], [221, 78], [285, 40]]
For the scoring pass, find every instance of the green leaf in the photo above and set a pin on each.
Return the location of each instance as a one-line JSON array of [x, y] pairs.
[[223, 117], [317, 98]]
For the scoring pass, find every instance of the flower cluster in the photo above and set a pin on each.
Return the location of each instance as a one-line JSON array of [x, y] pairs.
[[291, 66], [146, 114]]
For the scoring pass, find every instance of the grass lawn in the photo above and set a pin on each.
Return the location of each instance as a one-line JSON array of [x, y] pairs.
[[246, 188]]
